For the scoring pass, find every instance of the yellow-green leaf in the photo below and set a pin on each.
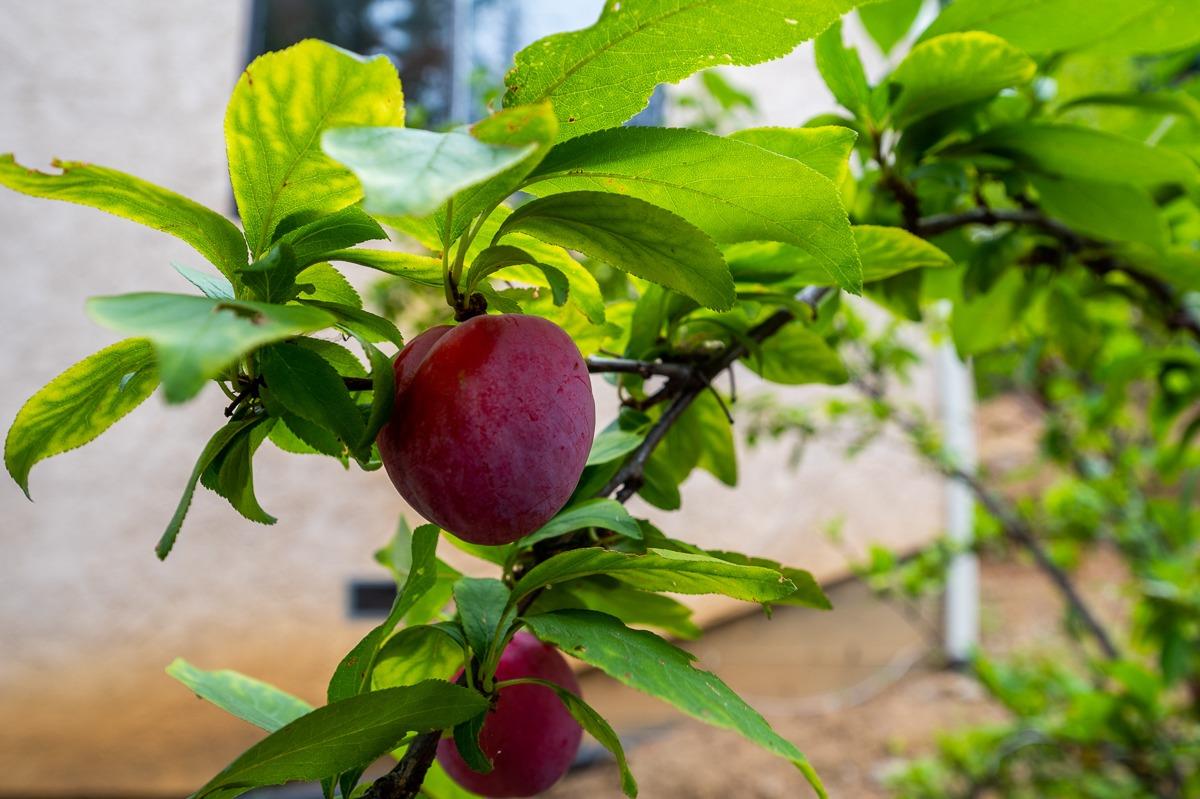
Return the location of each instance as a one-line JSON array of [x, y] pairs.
[[79, 404], [273, 125], [212, 235]]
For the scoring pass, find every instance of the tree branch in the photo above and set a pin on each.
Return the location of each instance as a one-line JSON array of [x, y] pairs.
[[1013, 525], [684, 384], [1089, 252]]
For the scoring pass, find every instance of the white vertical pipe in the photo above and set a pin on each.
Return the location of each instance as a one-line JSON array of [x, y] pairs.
[[962, 578]]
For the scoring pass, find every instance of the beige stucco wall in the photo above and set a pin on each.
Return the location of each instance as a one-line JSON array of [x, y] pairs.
[[88, 616]]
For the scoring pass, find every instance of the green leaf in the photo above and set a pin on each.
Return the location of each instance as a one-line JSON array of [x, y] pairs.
[[281, 105], [887, 251], [313, 242], [383, 392], [953, 70], [406, 171], [842, 71], [884, 252], [659, 570], [263, 705], [808, 591], [612, 444], [523, 126], [307, 385], [231, 474], [706, 420], [215, 446], [342, 735], [197, 338], [466, 741], [607, 514], [272, 278], [214, 286], [502, 256], [1075, 152], [1104, 210], [324, 283], [633, 236], [649, 42], [646, 662], [372, 327], [212, 235], [796, 355], [826, 149], [353, 674], [1117, 27], [79, 404], [414, 654], [595, 725], [481, 603], [633, 607], [418, 268], [743, 193], [1163, 102], [889, 21]]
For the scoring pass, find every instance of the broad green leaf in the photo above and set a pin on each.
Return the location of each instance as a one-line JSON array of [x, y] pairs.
[[659, 570], [502, 256], [372, 327], [79, 404], [612, 444], [633, 236], [481, 602], [1174, 102], [417, 268], [407, 171], [383, 392], [305, 384], [630, 605], [212, 235], [648, 42], [1105, 210], [842, 71], [281, 105], [887, 22], [707, 421], [826, 148], [808, 591], [263, 705], [213, 449], [272, 278], [953, 70], [213, 286], [231, 474], [521, 127], [197, 338], [466, 741], [884, 252], [414, 654], [646, 662], [887, 251], [327, 285], [742, 193], [313, 242], [796, 355], [1118, 27], [607, 514], [353, 674], [1074, 152], [595, 725], [342, 735]]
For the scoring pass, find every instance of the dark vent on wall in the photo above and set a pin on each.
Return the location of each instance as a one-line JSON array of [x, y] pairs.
[[371, 599]]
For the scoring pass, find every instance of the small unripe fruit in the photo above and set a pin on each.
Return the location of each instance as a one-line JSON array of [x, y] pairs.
[[529, 736], [492, 425]]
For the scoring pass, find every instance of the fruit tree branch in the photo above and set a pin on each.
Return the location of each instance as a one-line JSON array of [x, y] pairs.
[[684, 384]]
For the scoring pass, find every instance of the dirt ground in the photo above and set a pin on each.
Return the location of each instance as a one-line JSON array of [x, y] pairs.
[[872, 693]]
